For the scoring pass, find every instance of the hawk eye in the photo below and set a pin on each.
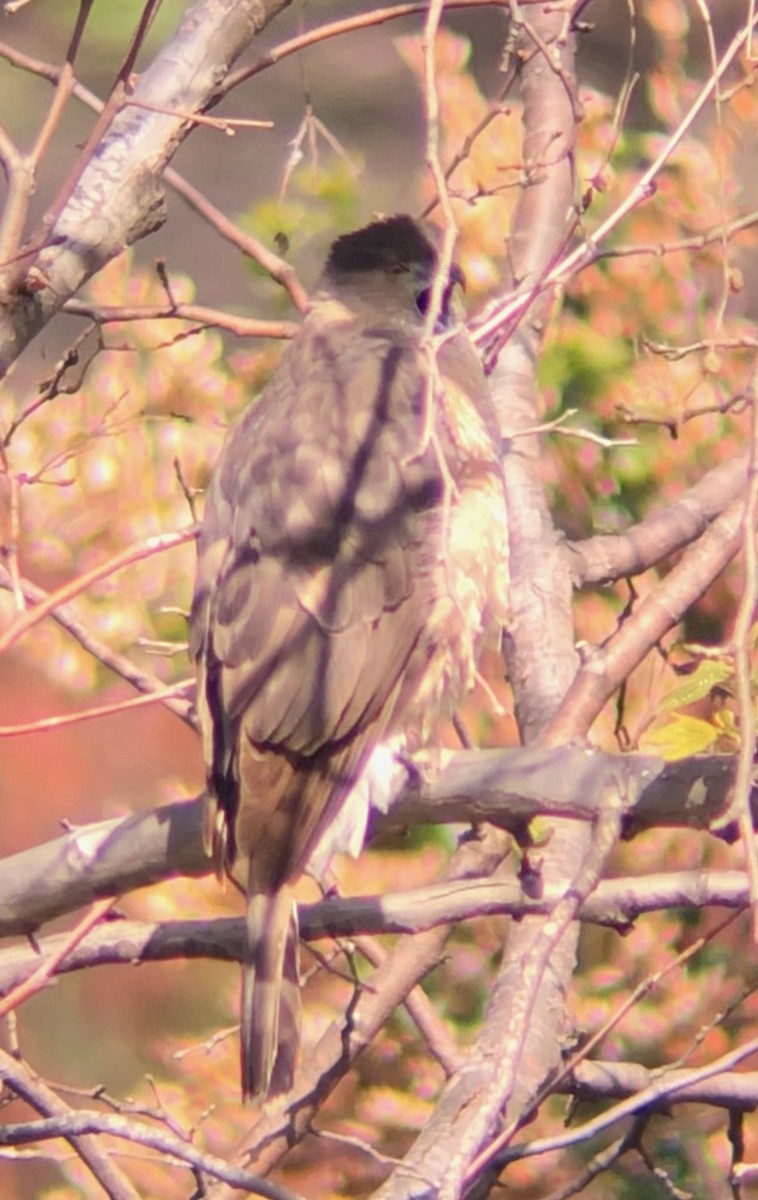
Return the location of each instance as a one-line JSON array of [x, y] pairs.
[[444, 316]]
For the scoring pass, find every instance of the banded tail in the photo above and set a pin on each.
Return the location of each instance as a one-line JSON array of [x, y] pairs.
[[270, 1008]]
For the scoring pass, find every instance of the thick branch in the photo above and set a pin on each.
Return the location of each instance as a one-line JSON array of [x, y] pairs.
[[506, 787], [105, 859], [592, 1080], [606, 557], [615, 903]]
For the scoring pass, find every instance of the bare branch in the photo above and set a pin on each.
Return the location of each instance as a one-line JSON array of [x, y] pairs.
[[607, 557], [541, 615], [279, 270], [506, 313], [102, 710], [17, 1077], [377, 16], [615, 903], [78, 1128], [151, 545], [469, 1160], [663, 1088], [118, 663], [659, 612], [76, 869], [507, 787], [742, 652], [207, 318], [283, 1123], [439, 1040], [117, 199]]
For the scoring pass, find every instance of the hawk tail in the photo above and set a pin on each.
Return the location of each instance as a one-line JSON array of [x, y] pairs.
[[270, 1007]]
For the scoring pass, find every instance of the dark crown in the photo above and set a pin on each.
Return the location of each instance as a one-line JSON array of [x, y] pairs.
[[393, 241]]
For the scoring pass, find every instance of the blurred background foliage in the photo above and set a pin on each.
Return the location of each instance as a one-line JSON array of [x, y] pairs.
[[98, 472]]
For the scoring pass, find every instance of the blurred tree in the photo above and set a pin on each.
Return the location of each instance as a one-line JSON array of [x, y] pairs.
[[608, 250]]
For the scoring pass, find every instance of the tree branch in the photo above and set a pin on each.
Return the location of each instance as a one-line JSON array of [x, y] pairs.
[[659, 612], [118, 199], [120, 664], [79, 1128], [206, 318], [606, 557], [593, 1080], [661, 1089], [285, 1122], [506, 787], [17, 1077], [541, 617], [615, 903]]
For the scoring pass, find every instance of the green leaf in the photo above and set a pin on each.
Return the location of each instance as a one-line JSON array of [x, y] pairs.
[[683, 737], [726, 723], [709, 673]]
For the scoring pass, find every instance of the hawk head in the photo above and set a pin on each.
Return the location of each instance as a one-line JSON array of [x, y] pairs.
[[388, 267]]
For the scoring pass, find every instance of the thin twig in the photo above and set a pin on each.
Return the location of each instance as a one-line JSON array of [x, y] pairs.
[[338, 29], [45, 724], [502, 312], [39, 978], [151, 545], [122, 666], [207, 317], [696, 241], [226, 125]]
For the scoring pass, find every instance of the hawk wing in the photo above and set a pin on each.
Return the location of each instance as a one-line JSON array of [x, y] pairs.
[[315, 584]]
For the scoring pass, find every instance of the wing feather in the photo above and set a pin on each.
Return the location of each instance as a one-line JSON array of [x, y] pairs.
[[315, 579]]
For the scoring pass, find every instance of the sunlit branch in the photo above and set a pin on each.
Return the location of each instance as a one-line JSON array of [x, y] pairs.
[[504, 311], [742, 652], [152, 545], [506, 787], [606, 557], [207, 317], [659, 612], [19, 1080], [697, 241], [45, 724], [615, 903], [122, 666], [469, 1159], [663, 1089], [76, 1125], [44, 970]]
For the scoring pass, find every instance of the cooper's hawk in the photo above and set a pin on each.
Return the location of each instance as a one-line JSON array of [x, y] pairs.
[[352, 556]]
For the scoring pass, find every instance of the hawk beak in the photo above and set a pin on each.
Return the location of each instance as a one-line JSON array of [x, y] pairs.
[[457, 276]]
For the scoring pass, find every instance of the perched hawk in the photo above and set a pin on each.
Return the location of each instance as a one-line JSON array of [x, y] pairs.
[[353, 555]]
